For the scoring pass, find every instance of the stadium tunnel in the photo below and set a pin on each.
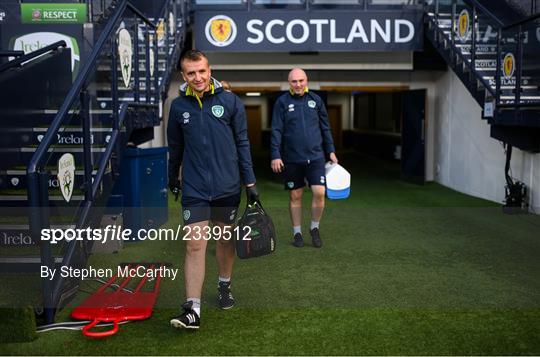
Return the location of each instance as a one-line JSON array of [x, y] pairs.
[[408, 104]]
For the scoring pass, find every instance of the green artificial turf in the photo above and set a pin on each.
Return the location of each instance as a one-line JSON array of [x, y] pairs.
[[17, 324], [404, 270]]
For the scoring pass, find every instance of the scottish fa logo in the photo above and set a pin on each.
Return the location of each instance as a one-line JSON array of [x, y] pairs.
[[218, 111], [186, 117], [187, 214], [463, 25], [290, 184], [220, 30], [311, 104], [509, 65], [323, 179]]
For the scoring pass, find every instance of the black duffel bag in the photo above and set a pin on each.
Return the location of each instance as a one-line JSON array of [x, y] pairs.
[[257, 235]]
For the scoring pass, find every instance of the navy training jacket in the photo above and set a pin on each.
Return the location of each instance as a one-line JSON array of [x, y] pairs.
[[209, 139], [300, 129]]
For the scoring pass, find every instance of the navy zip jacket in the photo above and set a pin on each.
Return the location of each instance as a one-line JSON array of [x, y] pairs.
[[208, 137], [300, 129]]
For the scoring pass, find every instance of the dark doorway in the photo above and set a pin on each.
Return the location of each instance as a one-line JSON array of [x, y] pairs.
[[413, 148], [390, 125], [377, 124], [253, 113], [334, 117]]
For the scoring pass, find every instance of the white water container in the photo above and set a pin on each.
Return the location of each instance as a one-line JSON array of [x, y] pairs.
[[338, 181]]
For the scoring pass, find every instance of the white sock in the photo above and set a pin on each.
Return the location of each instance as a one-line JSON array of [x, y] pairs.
[[314, 225], [297, 229], [196, 305], [225, 280]]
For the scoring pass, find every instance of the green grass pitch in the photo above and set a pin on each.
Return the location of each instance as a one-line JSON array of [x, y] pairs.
[[404, 270]]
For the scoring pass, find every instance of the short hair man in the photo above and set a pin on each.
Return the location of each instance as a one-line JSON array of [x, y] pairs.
[[301, 139], [207, 136]]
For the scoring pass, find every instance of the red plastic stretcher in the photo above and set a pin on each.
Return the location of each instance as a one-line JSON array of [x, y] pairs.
[[118, 305]]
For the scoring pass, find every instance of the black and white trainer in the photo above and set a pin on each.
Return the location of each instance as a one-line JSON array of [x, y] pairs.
[[316, 238], [188, 319], [225, 297], [298, 241]]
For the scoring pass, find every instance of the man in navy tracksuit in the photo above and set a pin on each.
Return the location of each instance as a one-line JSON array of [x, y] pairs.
[[207, 136], [301, 140]]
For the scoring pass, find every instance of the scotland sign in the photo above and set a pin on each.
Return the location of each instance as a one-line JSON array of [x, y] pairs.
[[302, 31]]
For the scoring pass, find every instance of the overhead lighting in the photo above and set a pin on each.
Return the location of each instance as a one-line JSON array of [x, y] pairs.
[[253, 94]]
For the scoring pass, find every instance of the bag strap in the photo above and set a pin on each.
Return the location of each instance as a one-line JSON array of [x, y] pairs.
[[258, 205]]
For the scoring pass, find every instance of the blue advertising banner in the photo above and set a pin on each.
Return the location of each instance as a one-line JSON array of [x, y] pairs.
[[10, 12], [302, 31]]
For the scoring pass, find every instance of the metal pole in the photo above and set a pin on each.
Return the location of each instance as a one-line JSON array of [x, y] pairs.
[[4, 53], [167, 42], [87, 146], [473, 45], [147, 63], [45, 247], [90, 16], [156, 66], [114, 76], [453, 29], [519, 66], [137, 94], [498, 69]]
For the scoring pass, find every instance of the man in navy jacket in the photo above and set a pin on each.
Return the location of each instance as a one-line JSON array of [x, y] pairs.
[[301, 141], [207, 136]]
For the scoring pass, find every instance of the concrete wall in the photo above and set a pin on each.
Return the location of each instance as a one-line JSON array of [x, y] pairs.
[[465, 157]]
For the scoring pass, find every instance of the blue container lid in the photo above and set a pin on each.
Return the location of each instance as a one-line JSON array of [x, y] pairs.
[[138, 152]]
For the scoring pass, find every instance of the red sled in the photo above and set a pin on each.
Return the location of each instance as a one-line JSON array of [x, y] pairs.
[[121, 304]]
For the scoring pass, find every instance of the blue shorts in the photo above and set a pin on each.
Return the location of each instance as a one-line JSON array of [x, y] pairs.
[[223, 210], [296, 175]]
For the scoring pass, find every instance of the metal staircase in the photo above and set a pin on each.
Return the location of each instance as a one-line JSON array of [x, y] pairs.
[[499, 64], [110, 105]]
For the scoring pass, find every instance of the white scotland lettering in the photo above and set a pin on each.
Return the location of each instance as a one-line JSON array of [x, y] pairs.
[[298, 31]]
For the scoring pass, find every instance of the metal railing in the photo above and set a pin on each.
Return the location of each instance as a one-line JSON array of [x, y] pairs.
[[82, 102], [304, 4], [98, 9], [485, 43], [22, 58], [527, 62]]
